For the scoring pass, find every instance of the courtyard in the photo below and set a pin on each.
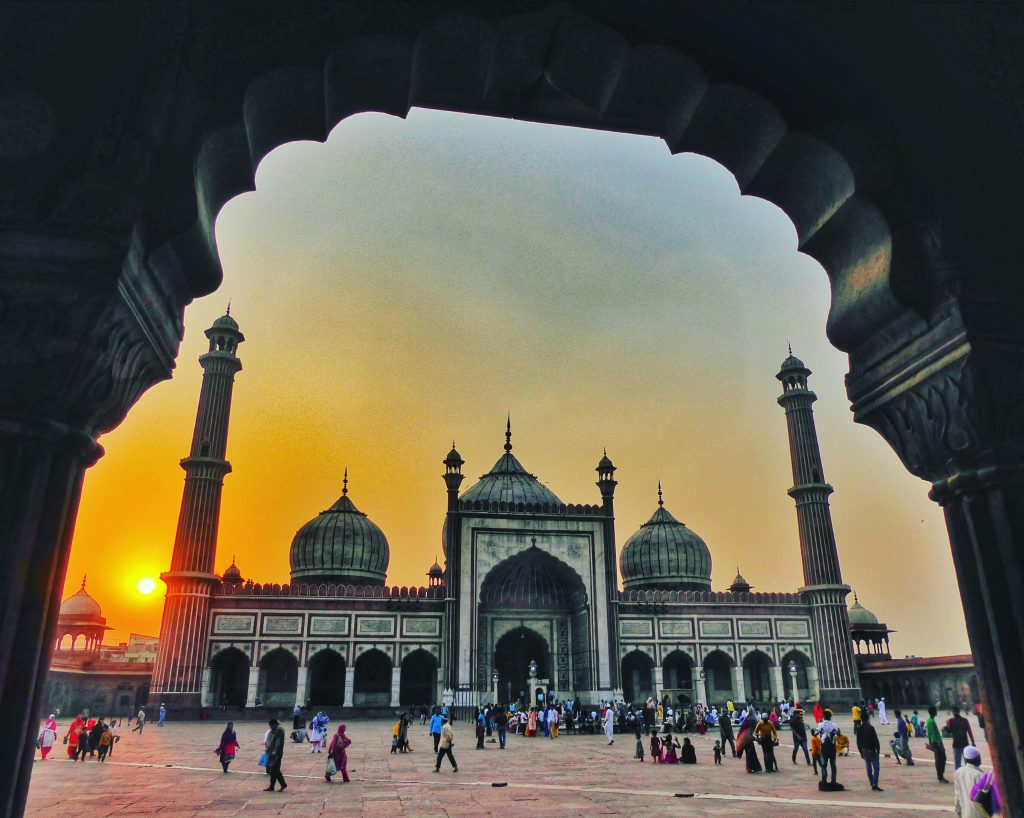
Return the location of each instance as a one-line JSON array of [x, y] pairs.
[[172, 771]]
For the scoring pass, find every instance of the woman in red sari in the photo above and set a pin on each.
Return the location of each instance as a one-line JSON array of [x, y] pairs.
[[336, 753], [72, 734]]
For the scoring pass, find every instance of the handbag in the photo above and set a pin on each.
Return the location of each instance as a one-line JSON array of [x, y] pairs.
[[264, 760], [65, 740], [983, 798], [331, 767]]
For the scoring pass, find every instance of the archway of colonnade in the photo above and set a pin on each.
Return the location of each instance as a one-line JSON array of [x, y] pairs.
[[904, 192]]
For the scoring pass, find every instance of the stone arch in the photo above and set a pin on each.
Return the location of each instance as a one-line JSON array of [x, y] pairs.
[[418, 679], [757, 676], [229, 677], [513, 651], [279, 678], [372, 680], [326, 678], [677, 673], [803, 664], [718, 669], [638, 682]]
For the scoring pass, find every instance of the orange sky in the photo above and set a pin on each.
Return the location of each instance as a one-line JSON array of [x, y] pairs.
[[410, 282]]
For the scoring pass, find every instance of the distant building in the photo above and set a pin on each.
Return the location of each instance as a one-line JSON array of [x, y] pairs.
[[914, 681], [527, 603], [87, 675]]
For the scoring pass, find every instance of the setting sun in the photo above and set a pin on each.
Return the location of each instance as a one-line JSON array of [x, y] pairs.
[[146, 585]]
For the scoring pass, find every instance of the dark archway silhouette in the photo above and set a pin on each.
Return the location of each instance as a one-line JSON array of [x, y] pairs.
[[229, 680], [372, 682], [680, 684], [279, 679], [718, 669], [326, 679], [419, 679], [513, 653], [638, 677], [758, 677]]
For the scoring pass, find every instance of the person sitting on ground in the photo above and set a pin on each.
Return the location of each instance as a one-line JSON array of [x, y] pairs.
[[670, 750], [688, 755]]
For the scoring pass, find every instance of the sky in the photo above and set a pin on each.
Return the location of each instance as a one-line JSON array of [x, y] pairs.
[[411, 282]]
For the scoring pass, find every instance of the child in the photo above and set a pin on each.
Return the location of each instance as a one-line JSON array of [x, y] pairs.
[[842, 744], [655, 748], [639, 755], [718, 752], [816, 750]]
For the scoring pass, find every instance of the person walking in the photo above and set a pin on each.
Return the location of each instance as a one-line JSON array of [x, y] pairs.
[[725, 731], [767, 736], [445, 747], [228, 745], [903, 731], [819, 713], [856, 713], [936, 744], [47, 736], [609, 725], [501, 725], [140, 721], [163, 715], [436, 721], [72, 735], [962, 735], [796, 724], [481, 720], [553, 720], [337, 752], [106, 740], [964, 780], [275, 753], [95, 734], [82, 745], [870, 748], [883, 717]]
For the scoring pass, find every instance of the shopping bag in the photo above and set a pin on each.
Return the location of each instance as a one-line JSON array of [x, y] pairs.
[[264, 760], [331, 768]]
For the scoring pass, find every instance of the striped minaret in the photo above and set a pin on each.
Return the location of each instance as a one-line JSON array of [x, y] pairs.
[[823, 581], [181, 653]]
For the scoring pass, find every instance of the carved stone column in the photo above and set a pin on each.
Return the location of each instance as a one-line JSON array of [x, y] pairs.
[[254, 686], [83, 333], [950, 401]]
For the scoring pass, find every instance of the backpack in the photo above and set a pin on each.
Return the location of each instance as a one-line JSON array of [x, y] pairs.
[[106, 738]]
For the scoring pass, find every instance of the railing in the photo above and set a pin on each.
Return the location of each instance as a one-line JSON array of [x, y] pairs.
[[683, 597], [563, 509], [329, 590]]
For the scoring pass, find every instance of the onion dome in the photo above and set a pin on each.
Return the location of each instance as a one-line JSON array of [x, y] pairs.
[[605, 464], [859, 615], [435, 571], [665, 554], [342, 546], [232, 576], [509, 482], [81, 607], [454, 459], [792, 362], [226, 322], [740, 585]]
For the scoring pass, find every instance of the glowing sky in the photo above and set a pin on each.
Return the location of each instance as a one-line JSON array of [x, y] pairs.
[[412, 281]]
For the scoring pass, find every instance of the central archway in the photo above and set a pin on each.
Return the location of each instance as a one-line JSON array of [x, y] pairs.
[[229, 685], [326, 679], [512, 656]]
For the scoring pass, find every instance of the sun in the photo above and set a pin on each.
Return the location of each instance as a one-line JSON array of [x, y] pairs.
[[146, 585]]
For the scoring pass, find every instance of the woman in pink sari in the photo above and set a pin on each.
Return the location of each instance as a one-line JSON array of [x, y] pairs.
[[670, 750], [336, 753], [531, 722], [72, 735]]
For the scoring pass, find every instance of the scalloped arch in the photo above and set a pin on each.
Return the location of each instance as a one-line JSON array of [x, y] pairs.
[[558, 65]]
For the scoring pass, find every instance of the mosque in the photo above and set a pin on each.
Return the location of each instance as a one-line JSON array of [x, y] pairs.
[[527, 600]]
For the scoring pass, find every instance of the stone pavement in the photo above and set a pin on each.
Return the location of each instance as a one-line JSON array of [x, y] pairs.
[[172, 772]]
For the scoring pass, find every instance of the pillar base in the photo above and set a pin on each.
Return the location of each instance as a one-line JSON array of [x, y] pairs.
[[838, 698]]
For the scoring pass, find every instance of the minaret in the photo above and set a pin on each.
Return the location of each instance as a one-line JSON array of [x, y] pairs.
[[824, 589], [453, 478], [183, 630], [606, 482]]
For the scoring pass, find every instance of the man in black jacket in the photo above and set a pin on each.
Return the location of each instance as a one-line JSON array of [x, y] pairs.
[[869, 748], [725, 730], [796, 724], [275, 750]]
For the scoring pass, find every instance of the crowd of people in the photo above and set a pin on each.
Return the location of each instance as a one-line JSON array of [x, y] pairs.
[[745, 731]]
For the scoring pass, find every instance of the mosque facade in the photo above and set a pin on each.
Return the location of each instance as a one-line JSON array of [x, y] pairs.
[[527, 601]]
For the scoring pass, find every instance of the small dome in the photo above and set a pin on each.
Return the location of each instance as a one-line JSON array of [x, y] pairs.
[[435, 570], [792, 362], [605, 464], [81, 606], [509, 482], [739, 585], [226, 321], [859, 615], [231, 573], [454, 458], [665, 554], [340, 545]]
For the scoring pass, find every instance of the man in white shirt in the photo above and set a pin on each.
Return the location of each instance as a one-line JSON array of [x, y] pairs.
[[964, 780]]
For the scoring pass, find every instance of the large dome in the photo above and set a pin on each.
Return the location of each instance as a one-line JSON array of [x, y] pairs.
[[341, 546], [665, 554], [81, 605], [509, 482], [859, 615]]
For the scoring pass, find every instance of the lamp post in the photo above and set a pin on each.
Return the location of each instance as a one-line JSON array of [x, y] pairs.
[[533, 681], [701, 688], [494, 679], [792, 676]]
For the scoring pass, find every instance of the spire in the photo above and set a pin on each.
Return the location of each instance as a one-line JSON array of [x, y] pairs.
[[788, 344], [344, 485], [661, 502], [83, 581], [856, 600], [508, 433], [228, 312]]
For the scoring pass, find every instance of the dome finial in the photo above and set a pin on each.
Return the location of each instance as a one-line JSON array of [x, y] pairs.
[[229, 308], [83, 581], [856, 601], [344, 485], [660, 501], [508, 433], [790, 346]]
